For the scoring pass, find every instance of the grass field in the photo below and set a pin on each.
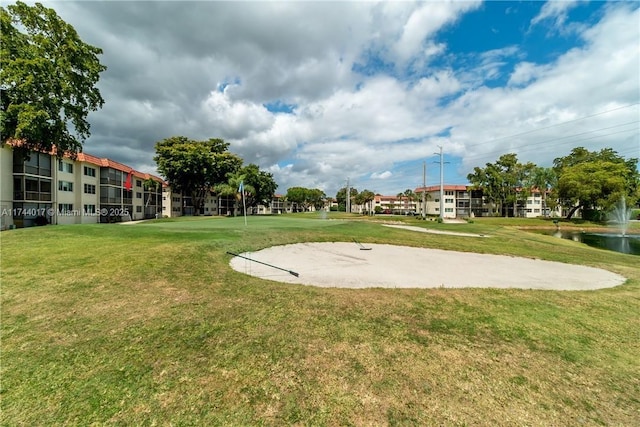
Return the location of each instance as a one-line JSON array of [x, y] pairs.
[[147, 324]]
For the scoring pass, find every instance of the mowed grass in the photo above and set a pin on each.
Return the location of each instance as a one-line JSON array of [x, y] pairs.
[[147, 324]]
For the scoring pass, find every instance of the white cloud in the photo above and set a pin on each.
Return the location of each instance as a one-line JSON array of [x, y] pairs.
[[557, 12], [382, 175]]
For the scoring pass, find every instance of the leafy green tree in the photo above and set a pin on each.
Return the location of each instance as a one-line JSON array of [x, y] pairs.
[[48, 78], [341, 197], [502, 182], [595, 181], [305, 197], [195, 167], [317, 198], [543, 180], [232, 188], [365, 197], [262, 184]]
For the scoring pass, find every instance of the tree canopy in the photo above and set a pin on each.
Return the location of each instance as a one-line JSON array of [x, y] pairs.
[[48, 78], [306, 197], [502, 182], [195, 167], [595, 181], [262, 184]]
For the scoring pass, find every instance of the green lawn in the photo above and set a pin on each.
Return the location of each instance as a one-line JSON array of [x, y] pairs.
[[147, 324]]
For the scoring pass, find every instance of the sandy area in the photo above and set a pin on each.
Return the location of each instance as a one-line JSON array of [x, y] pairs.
[[346, 265]]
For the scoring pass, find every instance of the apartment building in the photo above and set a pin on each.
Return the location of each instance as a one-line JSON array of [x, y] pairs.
[[458, 201], [85, 189]]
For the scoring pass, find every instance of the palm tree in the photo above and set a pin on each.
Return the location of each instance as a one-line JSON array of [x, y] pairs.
[[232, 188], [152, 186], [543, 179]]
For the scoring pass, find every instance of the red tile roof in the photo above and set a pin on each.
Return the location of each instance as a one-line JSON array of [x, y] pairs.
[[97, 161]]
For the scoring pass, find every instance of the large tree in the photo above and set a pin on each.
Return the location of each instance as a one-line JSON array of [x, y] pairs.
[[306, 197], [195, 167], [595, 181], [365, 197], [543, 180], [48, 78], [262, 183], [502, 182]]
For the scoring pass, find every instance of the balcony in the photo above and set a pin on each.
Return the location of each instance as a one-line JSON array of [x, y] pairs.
[[32, 196]]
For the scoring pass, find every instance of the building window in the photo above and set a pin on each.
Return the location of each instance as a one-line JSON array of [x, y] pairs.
[[448, 209], [89, 209], [65, 207], [164, 208], [65, 167], [138, 195], [176, 199], [65, 186], [138, 209], [448, 200], [89, 189], [89, 171], [138, 183], [448, 193]]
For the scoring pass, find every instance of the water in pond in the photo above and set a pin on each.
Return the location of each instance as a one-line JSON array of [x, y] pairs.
[[628, 244]]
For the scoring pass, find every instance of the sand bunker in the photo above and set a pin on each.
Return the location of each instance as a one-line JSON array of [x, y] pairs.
[[346, 265]]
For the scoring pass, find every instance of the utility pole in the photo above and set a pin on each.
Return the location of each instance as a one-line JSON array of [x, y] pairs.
[[347, 204], [442, 162], [424, 190]]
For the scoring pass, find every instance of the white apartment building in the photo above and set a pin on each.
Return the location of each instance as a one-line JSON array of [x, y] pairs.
[[81, 190], [458, 201]]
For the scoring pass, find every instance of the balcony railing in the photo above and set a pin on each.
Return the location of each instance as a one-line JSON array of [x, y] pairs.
[[32, 195]]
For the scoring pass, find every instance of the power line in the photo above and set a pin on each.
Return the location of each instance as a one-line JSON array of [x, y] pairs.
[[556, 125], [533, 145]]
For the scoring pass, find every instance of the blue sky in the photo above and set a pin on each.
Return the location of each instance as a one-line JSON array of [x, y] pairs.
[[318, 92]]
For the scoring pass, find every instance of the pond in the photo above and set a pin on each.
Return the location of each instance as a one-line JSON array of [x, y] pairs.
[[629, 244]]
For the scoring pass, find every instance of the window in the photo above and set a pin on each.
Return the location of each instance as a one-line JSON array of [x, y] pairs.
[[65, 167], [448, 193], [138, 183], [138, 195], [448, 209], [89, 189], [89, 171], [65, 207], [175, 199], [164, 197], [437, 200], [138, 209], [529, 201], [65, 186], [448, 200], [89, 209]]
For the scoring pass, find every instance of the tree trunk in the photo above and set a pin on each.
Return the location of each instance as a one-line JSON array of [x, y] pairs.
[[572, 211]]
